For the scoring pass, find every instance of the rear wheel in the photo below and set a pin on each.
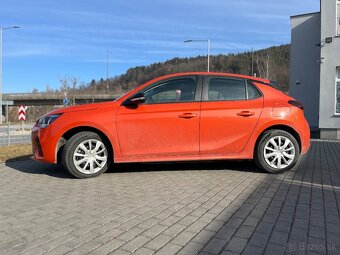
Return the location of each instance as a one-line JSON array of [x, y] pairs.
[[277, 151], [86, 155]]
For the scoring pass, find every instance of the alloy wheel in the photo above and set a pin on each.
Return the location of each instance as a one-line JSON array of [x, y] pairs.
[[90, 156], [279, 152]]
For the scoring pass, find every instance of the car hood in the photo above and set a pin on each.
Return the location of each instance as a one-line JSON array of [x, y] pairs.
[[84, 107]]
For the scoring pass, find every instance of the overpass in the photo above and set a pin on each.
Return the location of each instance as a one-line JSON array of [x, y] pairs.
[[39, 99]]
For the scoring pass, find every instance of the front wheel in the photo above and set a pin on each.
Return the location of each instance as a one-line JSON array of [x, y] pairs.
[[86, 155], [277, 151]]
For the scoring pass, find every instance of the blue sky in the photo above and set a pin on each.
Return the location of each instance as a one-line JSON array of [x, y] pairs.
[[69, 37]]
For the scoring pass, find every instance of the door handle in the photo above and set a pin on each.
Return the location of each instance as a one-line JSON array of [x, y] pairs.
[[246, 113], [187, 115]]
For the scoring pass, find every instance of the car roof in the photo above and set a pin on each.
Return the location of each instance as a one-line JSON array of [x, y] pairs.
[[255, 79]]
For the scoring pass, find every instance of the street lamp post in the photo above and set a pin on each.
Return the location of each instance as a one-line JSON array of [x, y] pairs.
[[1, 30], [107, 70], [208, 42]]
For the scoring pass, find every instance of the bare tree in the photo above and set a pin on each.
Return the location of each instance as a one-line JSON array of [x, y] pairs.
[[74, 82], [64, 88], [48, 89], [69, 85], [263, 65]]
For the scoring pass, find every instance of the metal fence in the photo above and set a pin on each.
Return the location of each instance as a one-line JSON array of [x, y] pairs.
[[15, 134]]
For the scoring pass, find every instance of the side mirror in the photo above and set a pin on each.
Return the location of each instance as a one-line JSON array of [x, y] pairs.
[[135, 100]]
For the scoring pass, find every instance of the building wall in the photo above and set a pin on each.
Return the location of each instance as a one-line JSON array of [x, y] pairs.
[[304, 65], [329, 122]]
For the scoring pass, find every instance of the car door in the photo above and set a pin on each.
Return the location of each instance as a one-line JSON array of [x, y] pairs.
[[166, 124], [230, 110]]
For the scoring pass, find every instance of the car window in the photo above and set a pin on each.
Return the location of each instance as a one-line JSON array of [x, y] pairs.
[[173, 91], [252, 91], [221, 89]]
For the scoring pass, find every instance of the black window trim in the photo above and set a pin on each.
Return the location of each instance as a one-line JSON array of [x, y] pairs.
[[207, 78], [258, 90], [270, 84]]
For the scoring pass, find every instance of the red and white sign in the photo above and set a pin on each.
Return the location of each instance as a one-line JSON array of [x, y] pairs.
[[22, 112]]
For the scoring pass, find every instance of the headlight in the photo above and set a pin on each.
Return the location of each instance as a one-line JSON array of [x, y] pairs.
[[47, 120]]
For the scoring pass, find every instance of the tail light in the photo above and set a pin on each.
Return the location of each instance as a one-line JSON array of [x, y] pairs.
[[296, 104]]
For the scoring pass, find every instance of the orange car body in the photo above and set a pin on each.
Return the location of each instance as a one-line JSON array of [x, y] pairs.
[[199, 130]]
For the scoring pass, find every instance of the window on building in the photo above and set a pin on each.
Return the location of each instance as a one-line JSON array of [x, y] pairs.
[[337, 108], [338, 17]]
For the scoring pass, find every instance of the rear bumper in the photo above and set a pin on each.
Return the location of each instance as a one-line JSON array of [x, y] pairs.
[[305, 144], [304, 134]]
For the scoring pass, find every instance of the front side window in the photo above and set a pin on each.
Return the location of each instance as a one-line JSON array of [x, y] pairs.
[[222, 89], [337, 109], [173, 91]]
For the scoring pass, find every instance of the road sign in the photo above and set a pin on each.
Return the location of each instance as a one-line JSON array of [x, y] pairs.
[[22, 112], [65, 101]]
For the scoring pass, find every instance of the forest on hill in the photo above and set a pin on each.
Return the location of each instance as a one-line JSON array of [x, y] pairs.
[[271, 63]]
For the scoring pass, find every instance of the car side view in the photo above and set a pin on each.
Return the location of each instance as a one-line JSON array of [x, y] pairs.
[[178, 117]]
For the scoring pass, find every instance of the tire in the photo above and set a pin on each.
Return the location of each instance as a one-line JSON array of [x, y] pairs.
[[277, 151], [93, 155]]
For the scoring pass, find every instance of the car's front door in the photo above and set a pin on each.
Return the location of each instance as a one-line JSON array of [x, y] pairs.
[[230, 111], [166, 124]]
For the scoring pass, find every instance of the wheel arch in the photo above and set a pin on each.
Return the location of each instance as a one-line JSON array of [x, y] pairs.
[[71, 132], [286, 128]]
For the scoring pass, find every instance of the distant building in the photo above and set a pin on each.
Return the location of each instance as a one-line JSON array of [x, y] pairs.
[[315, 67]]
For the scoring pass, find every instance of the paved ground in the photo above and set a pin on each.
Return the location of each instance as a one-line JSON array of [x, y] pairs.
[[221, 207]]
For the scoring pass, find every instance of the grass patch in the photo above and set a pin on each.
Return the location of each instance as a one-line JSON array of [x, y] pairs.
[[15, 152]]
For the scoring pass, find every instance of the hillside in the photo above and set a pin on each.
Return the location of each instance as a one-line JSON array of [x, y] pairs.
[[271, 63]]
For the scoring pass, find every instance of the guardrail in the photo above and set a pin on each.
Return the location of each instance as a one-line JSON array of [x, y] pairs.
[[15, 134]]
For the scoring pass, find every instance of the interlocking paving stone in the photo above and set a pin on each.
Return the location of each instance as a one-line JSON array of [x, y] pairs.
[[135, 243], [169, 248], [214, 246], [157, 243], [236, 244], [188, 208], [144, 251], [183, 238]]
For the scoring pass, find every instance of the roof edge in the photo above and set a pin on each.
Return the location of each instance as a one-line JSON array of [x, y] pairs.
[[305, 14], [173, 75]]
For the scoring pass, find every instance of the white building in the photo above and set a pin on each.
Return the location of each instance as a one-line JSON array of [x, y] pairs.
[[315, 67]]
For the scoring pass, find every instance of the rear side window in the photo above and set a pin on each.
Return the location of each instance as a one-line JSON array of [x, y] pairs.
[[252, 91], [222, 89]]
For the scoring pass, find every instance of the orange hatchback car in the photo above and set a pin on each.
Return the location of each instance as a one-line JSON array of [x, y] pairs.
[[178, 117]]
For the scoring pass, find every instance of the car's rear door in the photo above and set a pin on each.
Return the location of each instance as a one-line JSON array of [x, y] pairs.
[[230, 111], [167, 124]]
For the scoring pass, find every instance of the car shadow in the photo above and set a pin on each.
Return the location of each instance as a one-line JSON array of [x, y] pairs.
[[34, 167], [244, 165], [30, 166]]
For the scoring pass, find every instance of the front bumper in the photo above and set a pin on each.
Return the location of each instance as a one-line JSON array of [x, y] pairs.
[[43, 144], [36, 146]]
